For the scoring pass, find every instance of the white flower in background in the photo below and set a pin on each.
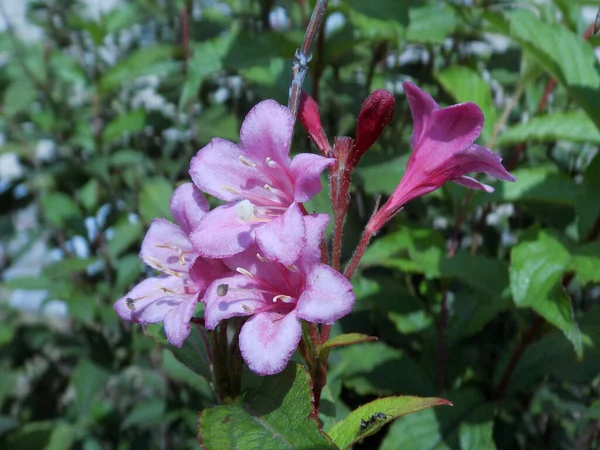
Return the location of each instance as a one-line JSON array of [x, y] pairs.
[[45, 150], [10, 167]]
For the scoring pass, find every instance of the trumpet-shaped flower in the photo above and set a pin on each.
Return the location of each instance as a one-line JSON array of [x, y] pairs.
[[262, 186], [276, 297], [172, 297], [443, 150]]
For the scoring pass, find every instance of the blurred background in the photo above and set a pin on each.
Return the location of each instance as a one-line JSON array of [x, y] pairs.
[[104, 102]]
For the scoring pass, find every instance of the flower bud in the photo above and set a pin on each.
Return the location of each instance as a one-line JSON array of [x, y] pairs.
[[376, 112], [308, 113]]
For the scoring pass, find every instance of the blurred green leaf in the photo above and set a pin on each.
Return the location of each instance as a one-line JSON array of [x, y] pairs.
[[87, 380], [124, 125], [343, 340], [125, 235], [486, 275], [146, 414], [60, 209], [572, 126], [193, 353], [266, 416], [154, 199], [63, 436], [205, 61], [586, 202], [586, 263], [382, 178], [430, 24], [18, 97], [537, 266]]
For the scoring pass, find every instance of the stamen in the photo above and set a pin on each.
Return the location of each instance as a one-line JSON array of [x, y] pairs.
[[272, 164], [167, 246], [245, 162], [222, 290], [167, 290], [244, 272], [162, 268], [261, 258], [283, 298], [246, 308], [245, 210]]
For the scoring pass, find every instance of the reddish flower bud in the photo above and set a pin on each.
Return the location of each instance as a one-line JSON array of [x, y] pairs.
[[376, 112], [308, 113]]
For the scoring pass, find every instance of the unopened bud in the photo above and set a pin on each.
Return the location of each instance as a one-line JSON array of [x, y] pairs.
[[376, 112], [308, 113]]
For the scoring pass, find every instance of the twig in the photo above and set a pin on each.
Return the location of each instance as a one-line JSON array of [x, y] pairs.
[[303, 55]]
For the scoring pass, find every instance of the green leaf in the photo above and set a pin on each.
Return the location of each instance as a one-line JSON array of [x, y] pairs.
[[574, 126], [218, 121], [153, 60], [18, 97], [154, 199], [467, 85], [124, 125], [60, 209], [566, 56], [63, 436], [343, 340], [537, 184], [466, 426], [277, 413], [430, 24], [484, 274], [88, 378], [89, 195], [382, 178], [537, 266], [375, 368], [587, 205], [177, 371], [193, 353], [146, 414], [125, 235], [206, 60], [586, 263], [369, 418]]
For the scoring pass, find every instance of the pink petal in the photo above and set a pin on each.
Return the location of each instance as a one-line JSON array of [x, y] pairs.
[[327, 297], [188, 206], [268, 340], [480, 159], [151, 303], [241, 299], [267, 132], [315, 230], [306, 170], [451, 130], [204, 271], [177, 321], [283, 238], [166, 246], [472, 183], [217, 170], [421, 107], [221, 233]]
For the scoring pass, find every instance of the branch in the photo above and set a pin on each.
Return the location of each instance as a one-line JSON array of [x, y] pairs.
[[303, 55]]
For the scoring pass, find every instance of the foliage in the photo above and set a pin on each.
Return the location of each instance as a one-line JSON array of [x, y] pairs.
[[487, 300]]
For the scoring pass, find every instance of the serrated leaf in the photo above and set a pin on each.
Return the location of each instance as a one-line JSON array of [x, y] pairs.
[[277, 413], [537, 266], [193, 353], [466, 426], [467, 85], [574, 126], [369, 418]]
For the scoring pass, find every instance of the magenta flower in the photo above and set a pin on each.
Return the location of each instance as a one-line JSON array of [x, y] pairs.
[[443, 150], [261, 185], [277, 296], [172, 297]]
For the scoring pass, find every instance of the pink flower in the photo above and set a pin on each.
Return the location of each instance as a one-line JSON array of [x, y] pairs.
[[277, 296], [172, 297], [262, 186], [443, 150]]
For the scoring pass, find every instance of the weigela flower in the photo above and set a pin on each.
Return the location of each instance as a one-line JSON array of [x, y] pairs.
[[276, 297], [172, 297], [262, 186], [443, 150]]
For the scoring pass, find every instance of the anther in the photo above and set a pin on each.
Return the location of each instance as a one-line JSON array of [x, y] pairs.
[[130, 302], [244, 272], [261, 258], [162, 268], [222, 290], [283, 298], [246, 308], [245, 162], [230, 189], [272, 164]]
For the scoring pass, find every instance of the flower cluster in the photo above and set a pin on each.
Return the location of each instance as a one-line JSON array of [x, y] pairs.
[[259, 254]]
